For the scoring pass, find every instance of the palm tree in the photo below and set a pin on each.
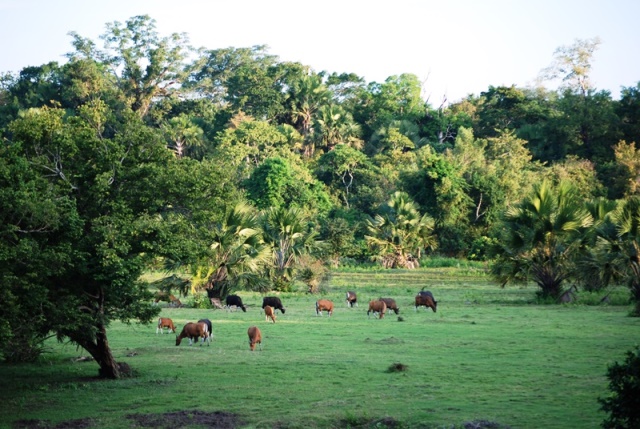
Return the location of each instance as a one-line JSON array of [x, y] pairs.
[[397, 135], [334, 125], [305, 98], [286, 234], [594, 268], [619, 255], [182, 134], [540, 235], [237, 253], [400, 232]]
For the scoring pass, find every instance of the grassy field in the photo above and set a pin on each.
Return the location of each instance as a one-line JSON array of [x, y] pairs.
[[489, 356]]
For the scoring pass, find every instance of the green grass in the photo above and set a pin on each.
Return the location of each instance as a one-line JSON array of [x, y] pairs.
[[488, 354]]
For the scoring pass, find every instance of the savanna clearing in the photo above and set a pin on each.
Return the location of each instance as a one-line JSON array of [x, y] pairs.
[[489, 357]]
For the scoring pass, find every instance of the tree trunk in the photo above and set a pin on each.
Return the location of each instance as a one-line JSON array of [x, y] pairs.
[[109, 368], [101, 353]]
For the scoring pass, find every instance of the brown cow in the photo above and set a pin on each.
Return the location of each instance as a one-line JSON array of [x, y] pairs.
[[426, 299], [269, 313], [255, 337], [165, 322], [324, 305], [193, 331], [391, 304], [378, 306], [167, 297], [352, 299]]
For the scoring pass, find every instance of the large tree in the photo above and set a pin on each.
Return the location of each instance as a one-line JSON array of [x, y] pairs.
[[90, 229], [572, 65], [144, 65]]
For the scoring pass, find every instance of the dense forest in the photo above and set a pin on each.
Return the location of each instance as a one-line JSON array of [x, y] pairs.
[[247, 172]]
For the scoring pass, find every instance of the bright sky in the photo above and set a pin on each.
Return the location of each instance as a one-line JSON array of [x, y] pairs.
[[456, 47]]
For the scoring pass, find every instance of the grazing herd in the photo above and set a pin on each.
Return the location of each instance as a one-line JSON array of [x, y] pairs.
[[201, 331]]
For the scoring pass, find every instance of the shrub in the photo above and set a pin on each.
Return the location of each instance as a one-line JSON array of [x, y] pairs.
[[623, 405], [201, 301]]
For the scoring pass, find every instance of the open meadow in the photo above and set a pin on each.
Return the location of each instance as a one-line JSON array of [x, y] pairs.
[[489, 356]]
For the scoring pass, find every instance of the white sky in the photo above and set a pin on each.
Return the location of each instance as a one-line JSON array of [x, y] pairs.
[[457, 47]]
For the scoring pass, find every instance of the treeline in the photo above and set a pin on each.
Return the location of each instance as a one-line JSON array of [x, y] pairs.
[[339, 147], [231, 162]]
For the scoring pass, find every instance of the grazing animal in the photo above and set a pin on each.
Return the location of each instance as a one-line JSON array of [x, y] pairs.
[[255, 337], [426, 299], [274, 302], [167, 297], [269, 313], [352, 299], [216, 303], [165, 322], [209, 328], [379, 307], [324, 305], [193, 331], [391, 304], [235, 301]]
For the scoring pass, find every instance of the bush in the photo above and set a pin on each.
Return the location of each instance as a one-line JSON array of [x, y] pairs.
[[623, 405], [282, 285], [201, 301]]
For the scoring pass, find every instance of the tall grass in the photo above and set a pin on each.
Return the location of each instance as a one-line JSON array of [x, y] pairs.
[[488, 355]]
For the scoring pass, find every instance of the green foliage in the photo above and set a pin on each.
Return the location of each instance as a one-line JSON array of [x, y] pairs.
[[289, 237], [247, 144], [623, 405], [277, 183], [144, 65], [581, 174], [481, 248], [338, 234], [539, 238], [236, 252], [439, 188], [334, 125], [270, 183], [626, 169], [200, 300], [247, 79], [399, 233], [340, 167], [314, 273], [100, 230], [628, 110]]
